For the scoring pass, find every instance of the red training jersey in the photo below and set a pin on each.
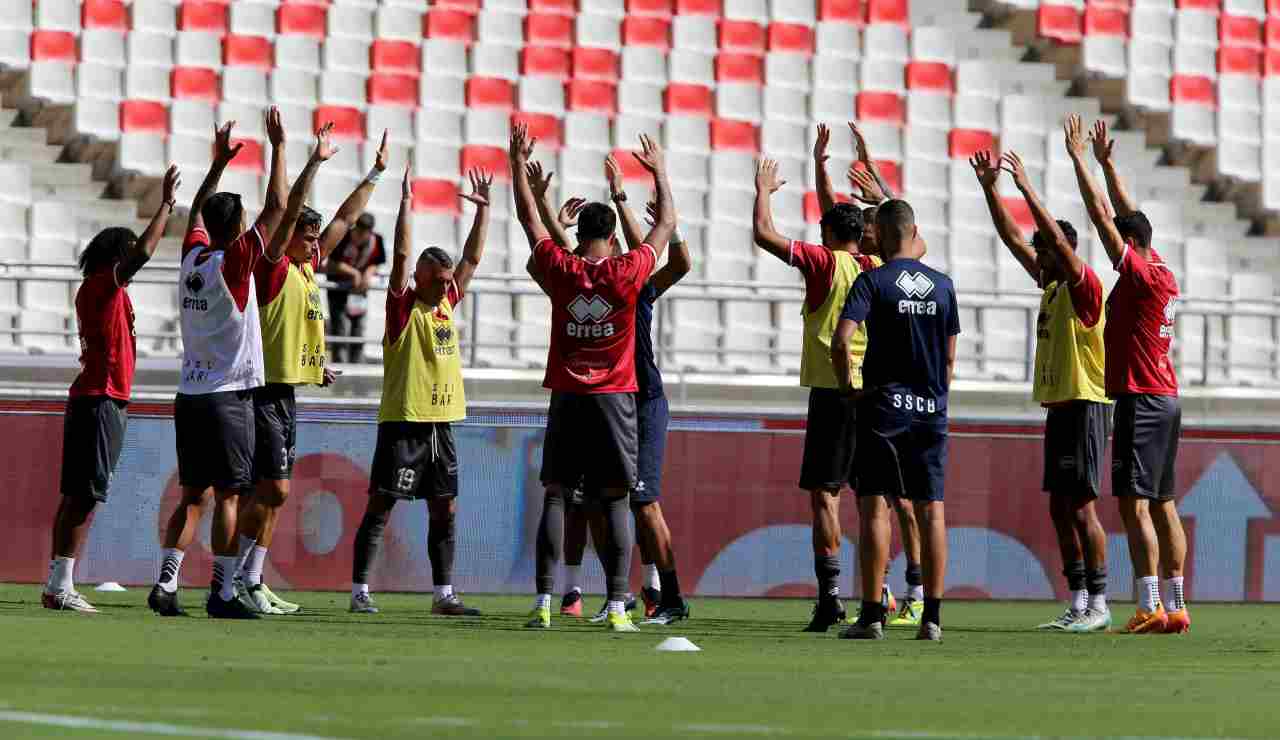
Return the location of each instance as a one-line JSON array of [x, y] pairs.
[[1139, 332], [593, 317], [818, 266], [108, 345], [269, 277]]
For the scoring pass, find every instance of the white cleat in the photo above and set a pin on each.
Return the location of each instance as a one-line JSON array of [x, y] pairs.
[[1093, 620], [362, 603], [255, 600], [67, 601], [929, 631], [1062, 623]]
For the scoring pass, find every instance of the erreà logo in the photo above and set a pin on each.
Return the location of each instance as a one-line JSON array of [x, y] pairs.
[[194, 283], [915, 284], [593, 309], [443, 334]]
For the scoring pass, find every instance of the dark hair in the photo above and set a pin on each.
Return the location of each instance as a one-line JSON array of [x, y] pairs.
[[869, 216], [365, 221], [438, 256], [105, 249], [1135, 226], [894, 223], [221, 214], [596, 221], [1069, 231], [309, 218], [845, 222]]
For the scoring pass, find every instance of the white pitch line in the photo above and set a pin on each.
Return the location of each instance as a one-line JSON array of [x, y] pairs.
[[148, 728]]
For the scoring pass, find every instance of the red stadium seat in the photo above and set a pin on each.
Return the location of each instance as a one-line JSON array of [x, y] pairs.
[[842, 11], [688, 100], [53, 46], [563, 7], [1060, 23], [655, 8], [812, 211], [881, 107], [436, 196], [109, 15], [1021, 213], [348, 123], [1192, 89], [1212, 6], [1273, 8], [1239, 61], [1273, 63], [544, 61], [654, 32], [595, 64], [145, 116], [490, 92], [746, 68], [890, 171], [630, 166], [1103, 21], [195, 83], [698, 7], [471, 6], [395, 57], [250, 156], [491, 159], [302, 20], [1235, 30], [591, 96], [742, 36], [1272, 33], [735, 135], [248, 51], [791, 37], [964, 143], [441, 23], [544, 29], [888, 11], [929, 76], [391, 89], [198, 15], [1111, 4], [542, 126]]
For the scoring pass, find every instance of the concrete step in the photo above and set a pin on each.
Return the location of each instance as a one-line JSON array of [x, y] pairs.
[[29, 153], [91, 191], [61, 174], [23, 135]]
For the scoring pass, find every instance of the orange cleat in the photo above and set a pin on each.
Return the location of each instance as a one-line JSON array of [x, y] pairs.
[[1148, 623], [571, 604], [1179, 622]]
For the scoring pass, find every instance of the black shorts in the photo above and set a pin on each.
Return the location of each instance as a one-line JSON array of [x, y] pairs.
[[215, 435], [592, 441], [902, 459], [276, 422], [92, 435], [1145, 446], [830, 440], [415, 459], [1075, 438], [653, 415]]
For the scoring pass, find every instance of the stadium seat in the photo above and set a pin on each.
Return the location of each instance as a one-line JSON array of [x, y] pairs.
[[695, 33], [1189, 89], [202, 15], [541, 95], [99, 81], [487, 127], [641, 31], [591, 96], [545, 61], [343, 88], [888, 11], [834, 73], [598, 31], [683, 99], [349, 21], [548, 30], [53, 46], [248, 51], [791, 38], [495, 60], [588, 131], [743, 37], [488, 158], [251, 19], [96, 47], [348, 122], [691, 67], [195, 83], [490, 93], [395, 57], [595, 64], [438, 126], [154, 15], [1239, 60], [880, 106], [346, 55], [393, 89], [105, 15], [542, 126], [444, 58], [394, 23], [191, 117], [929, 77], [741, 68], [1061, 23], [885, 41], [962, 144], [690, 135], [739, 101], [734, 135], [299, 19], [842, 11]]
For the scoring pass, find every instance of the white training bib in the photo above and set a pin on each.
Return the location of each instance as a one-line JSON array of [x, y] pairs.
[[221, 345]]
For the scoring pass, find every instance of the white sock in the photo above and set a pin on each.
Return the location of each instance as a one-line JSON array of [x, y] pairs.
[[60, 571], [616, 607], [573, 577], [223, 568], [1176, 600], [1098, 602], [1080, 600], [242, 555], [359, 588], [651, 579], [252, 568], [542, 602], [444, 592], [170, 564], [1149, 593], [916, 593]]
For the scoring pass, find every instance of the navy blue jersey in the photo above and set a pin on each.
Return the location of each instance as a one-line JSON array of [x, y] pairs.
[[910, 313], [648, 379]]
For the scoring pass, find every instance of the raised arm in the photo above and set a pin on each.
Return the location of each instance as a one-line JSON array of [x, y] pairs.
[[679, 263], [273, 205], [1045, 223], [762, 230], [223, 152], [474, 248], [146, 245], [988, 175], [1102, 150], [841, 342], [864, 156], [630, 224], [826, 191], [1094, 203], [298, 195], [653, 159], [518, 153], [354, 205], [400, 269], [539, 184]]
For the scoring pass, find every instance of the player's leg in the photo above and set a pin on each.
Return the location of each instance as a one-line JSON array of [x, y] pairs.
[[232, 432], [1164, 513], [274, 422], [402, 451], [1062, 449], [365, 549], [614, 548], [70, 525], [1062, 511], [911, 607], [610, 421], [575, 547], [874, 534], [1092, 430], [664, 602], [179, 533], [441, 491], [548, 551], [561, 473], [933, 526], [1133, 485], [651, 526], [824, 471]]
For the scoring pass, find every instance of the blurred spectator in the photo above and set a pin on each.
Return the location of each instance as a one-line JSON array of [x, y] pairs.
[[352, 267]]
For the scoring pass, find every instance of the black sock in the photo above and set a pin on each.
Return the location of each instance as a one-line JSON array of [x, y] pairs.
[[914, 576], [932, 611], [441, 544], [615, 556], [1096, 581], [216, 584], [827, 569], [872, 612], [550, 543], [1074, 571], [670, 587], [368, 540]]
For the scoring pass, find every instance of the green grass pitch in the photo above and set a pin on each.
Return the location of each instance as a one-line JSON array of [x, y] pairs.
[[403, 673]]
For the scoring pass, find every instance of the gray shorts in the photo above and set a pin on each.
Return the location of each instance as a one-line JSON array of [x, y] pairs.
[[1145, 446], [1075, 438]]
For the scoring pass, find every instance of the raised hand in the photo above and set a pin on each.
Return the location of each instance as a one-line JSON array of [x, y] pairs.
[[867, 189], [223, 150], [521, 147], [538, 181], [325, 148], [1075, 136], [172, 181], [275, 126], [480, 182], [568, 215], [1012, 164], [651, 155], [1102, 144], [380, 160], [820, 146], [613, 174], [406, 186], [767, 176], [988, 174], [859, 142]]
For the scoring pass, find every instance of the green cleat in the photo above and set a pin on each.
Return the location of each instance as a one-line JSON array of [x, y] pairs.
[[1062, 623], [909, 615], [285, 607], [539, 618], [620, 622], [1092, 620]]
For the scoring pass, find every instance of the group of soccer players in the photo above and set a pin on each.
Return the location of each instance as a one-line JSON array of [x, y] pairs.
[[877, 353]]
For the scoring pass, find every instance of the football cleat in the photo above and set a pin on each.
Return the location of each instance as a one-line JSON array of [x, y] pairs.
[[669, 614], [929, 631], [652, 600], [285, 607], [826, 613], [601, 615], [1179, 622], [909, 615], [539, 618], [860, 631], [67, 601], [1062, 623], [255, 600], [1093, 620], [452, 606], [889, 603], [1144, 622], [362, 603], [165, 603], [218, 608], [620, 622], [571, 604]]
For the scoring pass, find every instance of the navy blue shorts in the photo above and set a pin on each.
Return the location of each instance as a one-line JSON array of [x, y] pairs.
[[901, 459], [652, 416]]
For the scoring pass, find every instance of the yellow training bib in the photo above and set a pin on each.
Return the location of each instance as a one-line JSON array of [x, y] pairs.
[[816, 370], [293, 350], [1069, 355], [422, 368]]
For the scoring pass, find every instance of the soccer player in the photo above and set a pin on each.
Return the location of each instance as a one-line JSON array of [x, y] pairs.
[[829, 271], [911, 318], [1069, 384], [96, 415], [221, 365], [592, 436], [293, 347], [422, 395], [1141, 379]]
